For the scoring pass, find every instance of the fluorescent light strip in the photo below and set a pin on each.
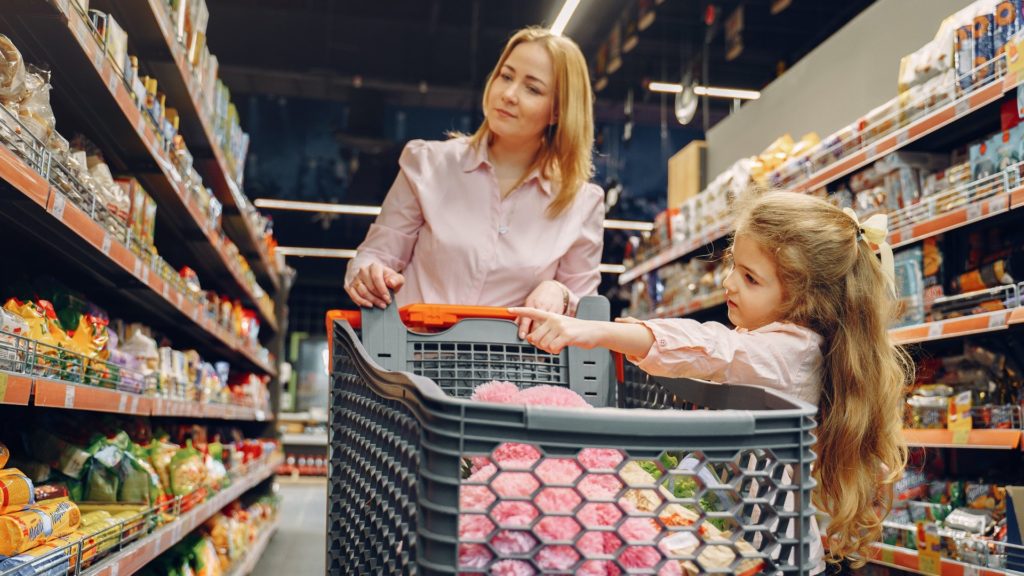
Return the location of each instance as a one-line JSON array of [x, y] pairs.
[[375, 210], [665, 87], [317, 207], [629, 225], [709, 91], [734, 93], [345, 254], [563, 17], [315, 252]]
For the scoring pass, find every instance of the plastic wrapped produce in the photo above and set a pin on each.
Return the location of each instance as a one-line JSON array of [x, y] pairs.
[[12, 71]]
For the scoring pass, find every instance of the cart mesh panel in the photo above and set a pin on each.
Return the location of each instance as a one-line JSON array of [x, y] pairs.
[[458, 368], [374, 462]]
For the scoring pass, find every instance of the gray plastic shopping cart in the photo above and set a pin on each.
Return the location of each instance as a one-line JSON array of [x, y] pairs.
[[662, 476]]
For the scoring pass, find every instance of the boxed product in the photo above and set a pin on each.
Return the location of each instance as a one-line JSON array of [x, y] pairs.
[[1007, 23], [142, 220], [983, 160], [910, 286], [114, 37], [984, 40]]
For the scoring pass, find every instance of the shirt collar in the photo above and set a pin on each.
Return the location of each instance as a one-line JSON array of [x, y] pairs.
[[476, 156]]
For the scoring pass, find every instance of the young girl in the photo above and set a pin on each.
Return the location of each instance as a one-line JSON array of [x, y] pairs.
[[811, 304]]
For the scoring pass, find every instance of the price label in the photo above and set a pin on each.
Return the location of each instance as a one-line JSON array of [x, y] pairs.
[[906, 233], [961, 437], [1000, 203], [963, 107], [902, 138], [99, 58], [140, 123], [929, 564], [69, 396], [145, 273], [105, 245], [973, 211], [59, 203], [122, 404], [112, 81], [872, 150], [3, 386], [935, 330], [179, 299], [135, 405], [166, 292], [971, 570], [115, 569], [137, 269], [888, 555], [997, 320]]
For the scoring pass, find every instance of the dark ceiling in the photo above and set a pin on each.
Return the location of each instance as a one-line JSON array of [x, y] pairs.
[[437, 53]]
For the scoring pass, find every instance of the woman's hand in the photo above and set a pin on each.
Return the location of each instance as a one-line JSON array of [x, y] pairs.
[[552, 332], [373, 284], [549, 296]]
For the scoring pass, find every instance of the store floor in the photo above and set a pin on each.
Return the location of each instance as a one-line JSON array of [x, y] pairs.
[[300, 545]]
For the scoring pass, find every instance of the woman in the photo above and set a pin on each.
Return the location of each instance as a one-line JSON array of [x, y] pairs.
[[504, 217]]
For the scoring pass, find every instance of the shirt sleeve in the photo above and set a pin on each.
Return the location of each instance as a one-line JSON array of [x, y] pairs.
[[579, 268], [685, 348], [392, 236]]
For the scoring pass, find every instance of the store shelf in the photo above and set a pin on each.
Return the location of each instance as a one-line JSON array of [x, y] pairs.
[[55, 221], [48, 393], [694, 306], [300, 417], [956, 327], [15, 389], [246, 565], [908, 560], [88, 83], [675, 252], [897, 139], [149, 29], [974, 439], [972, 212], [137, 555], [304, 439]]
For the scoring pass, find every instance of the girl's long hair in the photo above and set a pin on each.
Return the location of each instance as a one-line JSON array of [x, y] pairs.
[[566, 154], [834, 284]]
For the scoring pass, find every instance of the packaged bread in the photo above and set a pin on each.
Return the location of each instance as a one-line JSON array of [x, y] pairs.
[[24, 530], [12, 71], [16, 491], [64, 516]]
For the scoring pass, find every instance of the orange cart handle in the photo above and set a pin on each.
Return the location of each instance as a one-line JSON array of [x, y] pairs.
[[429, 316]]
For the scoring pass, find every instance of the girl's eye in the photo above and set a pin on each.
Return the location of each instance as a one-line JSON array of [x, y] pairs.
[[751, 279], [507, 77]]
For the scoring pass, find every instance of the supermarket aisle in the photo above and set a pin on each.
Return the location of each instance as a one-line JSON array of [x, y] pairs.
[[301, 539]]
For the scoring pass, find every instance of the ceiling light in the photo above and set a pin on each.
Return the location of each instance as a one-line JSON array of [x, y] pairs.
[[563, 17], [315, 252], [629, 225], [612, 268], [665, 87], [317, 207], [733, 93], [709, 91]]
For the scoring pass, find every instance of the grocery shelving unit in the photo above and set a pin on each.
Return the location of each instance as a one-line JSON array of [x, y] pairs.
[[990, 201], [40, 210]]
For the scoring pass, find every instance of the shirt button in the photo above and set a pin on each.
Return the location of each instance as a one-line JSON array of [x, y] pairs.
[[502, 230]]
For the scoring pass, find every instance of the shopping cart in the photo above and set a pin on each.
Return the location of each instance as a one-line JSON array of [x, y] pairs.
[[664, 476]]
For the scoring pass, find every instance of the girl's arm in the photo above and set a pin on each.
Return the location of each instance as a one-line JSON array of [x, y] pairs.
[[553, 332]]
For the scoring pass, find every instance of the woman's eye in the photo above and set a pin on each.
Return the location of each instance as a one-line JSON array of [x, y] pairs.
[[533, 89], [506, 77]]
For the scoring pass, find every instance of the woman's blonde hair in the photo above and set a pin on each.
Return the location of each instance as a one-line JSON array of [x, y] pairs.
[[834, 284], [566, 153]]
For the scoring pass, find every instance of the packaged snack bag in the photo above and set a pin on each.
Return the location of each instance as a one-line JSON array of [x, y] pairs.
[[24, 530], [16, 491]]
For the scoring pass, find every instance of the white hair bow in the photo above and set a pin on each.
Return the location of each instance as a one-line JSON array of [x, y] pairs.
[[876, 231]]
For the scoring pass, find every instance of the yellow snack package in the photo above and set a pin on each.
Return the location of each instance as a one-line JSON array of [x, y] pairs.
[[23, 531], [5, 455], [16, 490], [64, 515]]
